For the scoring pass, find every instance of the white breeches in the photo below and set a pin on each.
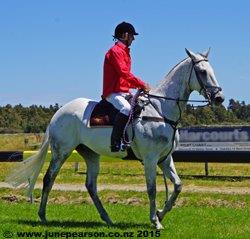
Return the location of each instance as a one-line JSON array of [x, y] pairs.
[[119, 102]]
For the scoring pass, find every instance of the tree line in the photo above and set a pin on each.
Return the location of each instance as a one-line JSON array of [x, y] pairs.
[[235, 113], [20, 119], [34, 119]]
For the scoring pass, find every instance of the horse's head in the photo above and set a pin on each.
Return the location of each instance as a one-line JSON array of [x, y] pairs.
[[204, 80]]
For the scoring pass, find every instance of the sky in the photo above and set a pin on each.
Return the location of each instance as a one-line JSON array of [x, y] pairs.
[[52, 51]]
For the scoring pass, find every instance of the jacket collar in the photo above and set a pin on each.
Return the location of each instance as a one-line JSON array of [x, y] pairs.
[[122, 45]]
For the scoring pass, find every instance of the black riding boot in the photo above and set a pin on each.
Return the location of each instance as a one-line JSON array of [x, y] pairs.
[[116, 136]]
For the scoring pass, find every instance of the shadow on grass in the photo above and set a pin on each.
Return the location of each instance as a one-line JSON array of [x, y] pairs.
[[183, 176], [216, 177], [83, 224]]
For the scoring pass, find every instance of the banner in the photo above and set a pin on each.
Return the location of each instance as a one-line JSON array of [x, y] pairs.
[[226, 138]]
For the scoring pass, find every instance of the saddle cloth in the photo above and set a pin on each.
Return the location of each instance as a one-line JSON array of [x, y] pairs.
[[103, 114]]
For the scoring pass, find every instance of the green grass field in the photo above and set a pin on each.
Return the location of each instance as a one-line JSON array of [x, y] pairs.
[[119, 171], [195, 215], [20, 141]]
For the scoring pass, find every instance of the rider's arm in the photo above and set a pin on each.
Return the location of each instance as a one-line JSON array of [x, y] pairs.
[[123, 69]]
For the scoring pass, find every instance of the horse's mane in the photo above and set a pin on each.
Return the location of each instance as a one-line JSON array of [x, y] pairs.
[[173, 68], [164, 80], [182, 62]]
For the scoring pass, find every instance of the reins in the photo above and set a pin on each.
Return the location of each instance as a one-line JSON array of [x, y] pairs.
[[176, 99], [162, 118], [131, 117], [203, 87]]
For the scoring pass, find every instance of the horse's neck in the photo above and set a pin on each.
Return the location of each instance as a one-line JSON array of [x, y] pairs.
[[174, 85]]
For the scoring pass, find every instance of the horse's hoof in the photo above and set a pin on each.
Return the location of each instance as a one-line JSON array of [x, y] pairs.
[[107, 220], [42, 219], [156, 223], [159, 226], [109, 223]]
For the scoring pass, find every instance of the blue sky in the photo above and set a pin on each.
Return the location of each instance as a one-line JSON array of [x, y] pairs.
[[53, 51]]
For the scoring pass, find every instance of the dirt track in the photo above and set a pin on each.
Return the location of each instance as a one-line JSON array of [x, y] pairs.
[[142, 188]]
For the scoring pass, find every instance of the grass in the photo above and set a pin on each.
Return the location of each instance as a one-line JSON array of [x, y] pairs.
[[194, 216], [20, 141], [130, 172], [117, 171]]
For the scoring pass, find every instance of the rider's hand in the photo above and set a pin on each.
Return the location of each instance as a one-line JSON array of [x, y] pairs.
[[146, 88]]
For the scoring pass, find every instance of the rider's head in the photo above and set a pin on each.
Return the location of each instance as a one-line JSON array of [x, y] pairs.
[[125, 32]]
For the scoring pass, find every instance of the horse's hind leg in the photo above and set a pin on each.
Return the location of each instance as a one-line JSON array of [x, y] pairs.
[[58, 158], [92, 161], [150, 175], [169, 171]]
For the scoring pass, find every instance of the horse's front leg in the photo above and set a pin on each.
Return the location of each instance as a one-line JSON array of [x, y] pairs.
[[169, 171], [150, 165]]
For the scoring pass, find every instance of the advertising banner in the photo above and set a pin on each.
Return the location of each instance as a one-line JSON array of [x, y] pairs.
[[225, 138]]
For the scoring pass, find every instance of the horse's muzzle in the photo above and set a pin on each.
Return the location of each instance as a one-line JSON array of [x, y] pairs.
[[218, 98]]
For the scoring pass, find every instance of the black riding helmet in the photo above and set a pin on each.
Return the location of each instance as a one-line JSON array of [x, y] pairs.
[[123, 28]]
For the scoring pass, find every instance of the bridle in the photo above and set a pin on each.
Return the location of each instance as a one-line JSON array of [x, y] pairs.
[[203, 87], [174, 123]]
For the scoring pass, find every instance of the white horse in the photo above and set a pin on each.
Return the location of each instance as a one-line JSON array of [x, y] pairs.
[[155, 136]]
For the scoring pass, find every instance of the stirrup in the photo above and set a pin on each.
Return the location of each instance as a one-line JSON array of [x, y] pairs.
[[115, 147], [119, 147], [124, 146]]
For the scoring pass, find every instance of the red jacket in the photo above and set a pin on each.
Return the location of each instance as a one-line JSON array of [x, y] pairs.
[[116, 71]]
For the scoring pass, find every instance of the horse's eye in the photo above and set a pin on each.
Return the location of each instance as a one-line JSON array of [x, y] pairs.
[[202, 71]]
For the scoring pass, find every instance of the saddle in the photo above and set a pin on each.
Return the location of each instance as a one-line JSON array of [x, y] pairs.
[[104, 113]]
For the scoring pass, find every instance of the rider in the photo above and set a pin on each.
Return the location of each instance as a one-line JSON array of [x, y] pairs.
[[118, 80]]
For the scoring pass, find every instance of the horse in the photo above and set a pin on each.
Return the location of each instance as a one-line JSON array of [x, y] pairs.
[[155, 137]]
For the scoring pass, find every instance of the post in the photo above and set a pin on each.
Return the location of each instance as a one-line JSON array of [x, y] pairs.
[[206, 168], [31, 199], [76, 167]]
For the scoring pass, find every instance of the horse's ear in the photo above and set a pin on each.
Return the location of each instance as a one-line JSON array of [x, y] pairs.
[[190, 54], [206, 53]]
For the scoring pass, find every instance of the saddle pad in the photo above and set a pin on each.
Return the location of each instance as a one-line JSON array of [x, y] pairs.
[[103, 114]]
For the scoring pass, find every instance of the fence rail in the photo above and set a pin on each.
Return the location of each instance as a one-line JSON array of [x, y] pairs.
[[212, 156], [11, 156]]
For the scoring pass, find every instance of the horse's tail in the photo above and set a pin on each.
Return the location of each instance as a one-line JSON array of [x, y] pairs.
[[26, 172]]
